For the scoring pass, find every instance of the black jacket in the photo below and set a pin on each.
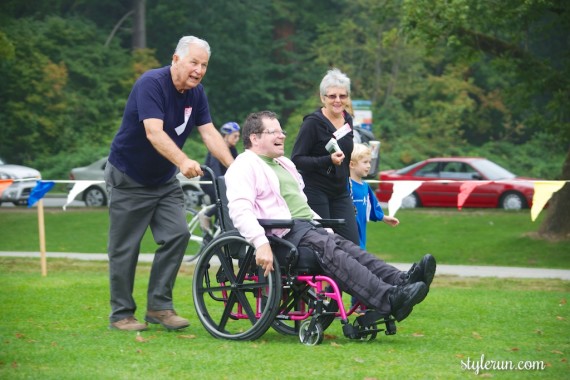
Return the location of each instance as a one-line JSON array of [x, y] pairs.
[[313, 160]]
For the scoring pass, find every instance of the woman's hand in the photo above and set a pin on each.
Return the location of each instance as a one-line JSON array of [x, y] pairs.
[[337, 158]]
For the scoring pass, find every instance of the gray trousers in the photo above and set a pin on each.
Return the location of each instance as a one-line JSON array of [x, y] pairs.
[[132, 209], [355, 270]]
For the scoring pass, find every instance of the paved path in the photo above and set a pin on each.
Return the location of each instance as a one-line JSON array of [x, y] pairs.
[[452, 270]]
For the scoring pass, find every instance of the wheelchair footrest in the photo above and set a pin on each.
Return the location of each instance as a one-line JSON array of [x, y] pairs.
[[366, 326]]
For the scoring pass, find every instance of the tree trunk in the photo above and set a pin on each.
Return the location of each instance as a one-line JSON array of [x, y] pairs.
[[139, 28], [556, 224]]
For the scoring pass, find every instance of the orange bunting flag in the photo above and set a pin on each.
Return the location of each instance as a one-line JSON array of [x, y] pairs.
[[4, 184], [543, 191], [466, 189], [401, 190]]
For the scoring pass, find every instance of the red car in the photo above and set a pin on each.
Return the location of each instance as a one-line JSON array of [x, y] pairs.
[[509, 192]]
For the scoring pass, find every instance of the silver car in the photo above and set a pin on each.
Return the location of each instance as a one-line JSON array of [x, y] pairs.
[[96, 194], [19, 191]]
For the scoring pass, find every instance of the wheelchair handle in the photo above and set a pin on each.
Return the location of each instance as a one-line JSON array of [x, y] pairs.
[[209, 170]]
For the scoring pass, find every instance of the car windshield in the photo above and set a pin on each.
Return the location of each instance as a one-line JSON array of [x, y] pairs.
[[492, 171], [408, 168]]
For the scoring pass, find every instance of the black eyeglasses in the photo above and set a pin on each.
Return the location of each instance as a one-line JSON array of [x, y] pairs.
[[274, 132], [333, 97]]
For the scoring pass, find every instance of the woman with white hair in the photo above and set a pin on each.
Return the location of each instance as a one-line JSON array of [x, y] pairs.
[[322, 154]]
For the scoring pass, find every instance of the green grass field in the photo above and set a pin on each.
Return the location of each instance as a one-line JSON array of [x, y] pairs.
[[55, 327], [478, 237]]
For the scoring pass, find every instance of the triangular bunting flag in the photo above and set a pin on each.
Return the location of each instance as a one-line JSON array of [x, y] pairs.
[[465, 189], [38, 192], [4, 184], [401, 190], [78, 187], [543, 191]]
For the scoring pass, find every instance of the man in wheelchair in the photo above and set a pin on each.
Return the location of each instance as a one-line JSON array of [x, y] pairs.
[[263, 184]]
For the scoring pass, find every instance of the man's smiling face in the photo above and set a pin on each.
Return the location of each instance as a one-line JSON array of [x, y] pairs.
[[270, 142]]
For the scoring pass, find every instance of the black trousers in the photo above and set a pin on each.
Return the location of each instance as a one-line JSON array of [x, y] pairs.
[[337, 207], [355, 270]]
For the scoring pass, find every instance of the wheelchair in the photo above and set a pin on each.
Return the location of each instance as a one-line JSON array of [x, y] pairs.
[[235, 301]]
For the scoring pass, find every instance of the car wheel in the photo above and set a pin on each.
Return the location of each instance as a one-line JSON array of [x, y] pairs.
[[95, 197], [411, 201], [512, 201], [192, 198]]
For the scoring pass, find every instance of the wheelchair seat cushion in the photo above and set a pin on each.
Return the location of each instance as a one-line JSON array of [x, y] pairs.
[[305, 260]]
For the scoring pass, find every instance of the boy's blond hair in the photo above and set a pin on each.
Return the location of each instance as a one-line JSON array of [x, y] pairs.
[[359, 152]]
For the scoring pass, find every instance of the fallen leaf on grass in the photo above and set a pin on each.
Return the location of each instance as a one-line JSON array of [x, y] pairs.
[[476, 335], [187, 336], [14, 364], [460, 356], [539, 332], [140, 338], [418, 335], [562, 301], [330, 336], [560, 318], [335, 344], [557, 352], [359, 360], [20, 335], [514, 349]]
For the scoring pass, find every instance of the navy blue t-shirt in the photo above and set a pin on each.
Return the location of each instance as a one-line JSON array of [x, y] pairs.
[[154, 96]]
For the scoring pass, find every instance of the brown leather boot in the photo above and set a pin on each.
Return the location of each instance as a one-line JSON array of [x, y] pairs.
[[128, 324], [167, 318]]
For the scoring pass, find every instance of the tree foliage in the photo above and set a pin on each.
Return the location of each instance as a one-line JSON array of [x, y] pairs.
[[527, 42], [444, 78]]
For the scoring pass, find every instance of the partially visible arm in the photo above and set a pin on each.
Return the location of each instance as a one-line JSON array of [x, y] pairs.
[[376, 212], [241, 193], [166, 147], [303, 154], [216, 144]]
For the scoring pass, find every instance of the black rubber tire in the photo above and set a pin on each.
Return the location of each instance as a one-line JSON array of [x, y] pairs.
[[512, 201], [227, 290], [95, 197]]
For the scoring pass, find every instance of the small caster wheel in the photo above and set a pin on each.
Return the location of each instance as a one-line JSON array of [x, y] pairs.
[[314, 336]]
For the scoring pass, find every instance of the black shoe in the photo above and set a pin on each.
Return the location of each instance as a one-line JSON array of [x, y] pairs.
[[404, 297], [424, 271]]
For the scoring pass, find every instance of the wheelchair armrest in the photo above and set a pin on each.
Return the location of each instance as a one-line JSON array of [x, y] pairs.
[[288, 223], [329, 223], [276, 223]]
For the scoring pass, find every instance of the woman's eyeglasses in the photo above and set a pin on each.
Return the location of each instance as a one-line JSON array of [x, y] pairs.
[[333, 97]]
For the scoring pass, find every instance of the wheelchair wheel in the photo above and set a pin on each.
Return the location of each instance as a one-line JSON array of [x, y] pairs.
[[232, 298], [311, 336]]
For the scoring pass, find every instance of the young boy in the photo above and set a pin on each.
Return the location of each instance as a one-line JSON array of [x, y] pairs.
[[365, 202]]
